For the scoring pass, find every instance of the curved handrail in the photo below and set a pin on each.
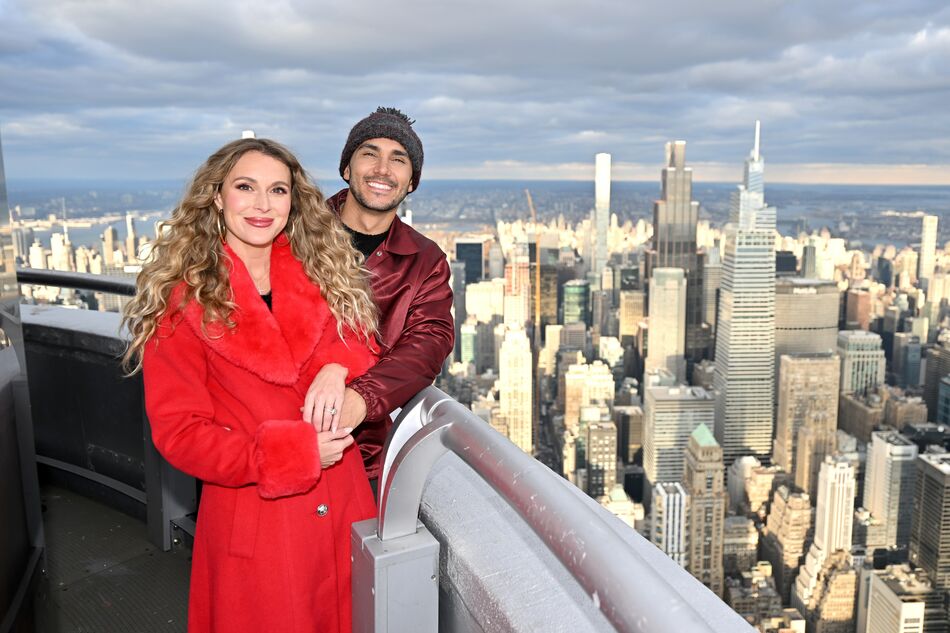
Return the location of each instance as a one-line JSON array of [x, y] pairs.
[[628, 590]]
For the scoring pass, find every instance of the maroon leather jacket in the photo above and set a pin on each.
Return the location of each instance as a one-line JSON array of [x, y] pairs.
[[410, 282]]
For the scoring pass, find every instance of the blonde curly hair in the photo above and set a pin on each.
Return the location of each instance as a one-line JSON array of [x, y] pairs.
[[190, 249]]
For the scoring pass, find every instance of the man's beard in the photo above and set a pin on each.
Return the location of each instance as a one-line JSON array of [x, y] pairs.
[[363, 203]]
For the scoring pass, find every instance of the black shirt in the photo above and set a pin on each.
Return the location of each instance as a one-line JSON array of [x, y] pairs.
[[268, 300], [366, 244]]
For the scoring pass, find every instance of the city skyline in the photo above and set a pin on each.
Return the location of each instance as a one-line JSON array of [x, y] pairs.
[[849, 94]]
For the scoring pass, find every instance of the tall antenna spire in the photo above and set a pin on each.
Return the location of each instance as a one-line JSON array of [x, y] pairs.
[[755, 148]]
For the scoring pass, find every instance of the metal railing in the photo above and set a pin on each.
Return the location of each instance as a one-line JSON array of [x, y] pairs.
[[169, 495], [78, 281], [631, 592]]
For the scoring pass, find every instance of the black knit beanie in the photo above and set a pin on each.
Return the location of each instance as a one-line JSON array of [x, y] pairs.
[[386, 123]]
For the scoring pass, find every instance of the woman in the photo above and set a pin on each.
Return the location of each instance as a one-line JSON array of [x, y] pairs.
[[253, 288]]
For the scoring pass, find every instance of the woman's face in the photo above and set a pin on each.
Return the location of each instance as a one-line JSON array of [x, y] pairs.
[[255, 198]]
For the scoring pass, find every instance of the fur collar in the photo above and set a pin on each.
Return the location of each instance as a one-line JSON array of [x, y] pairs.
[[274, 346]]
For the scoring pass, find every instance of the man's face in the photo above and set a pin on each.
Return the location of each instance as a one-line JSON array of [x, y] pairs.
[[380, 174]]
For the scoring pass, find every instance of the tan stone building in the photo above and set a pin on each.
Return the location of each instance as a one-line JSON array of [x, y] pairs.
[[831, 607], [752, 595], [807, 414], [860, 415], [703, 481], [784, 538], [740, 545]]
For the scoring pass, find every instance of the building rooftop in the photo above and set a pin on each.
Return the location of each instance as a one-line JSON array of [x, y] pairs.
[[787, 284], [940, 461], [906, 583], [679, 393], [893, 437], [704, 436]]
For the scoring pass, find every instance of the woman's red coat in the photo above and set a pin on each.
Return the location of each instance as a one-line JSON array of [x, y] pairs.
[[224, 406]]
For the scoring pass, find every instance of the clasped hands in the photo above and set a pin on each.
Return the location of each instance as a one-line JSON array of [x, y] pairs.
[[334, 410]]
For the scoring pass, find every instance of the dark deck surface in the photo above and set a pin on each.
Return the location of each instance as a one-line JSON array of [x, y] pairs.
[[103, 574]]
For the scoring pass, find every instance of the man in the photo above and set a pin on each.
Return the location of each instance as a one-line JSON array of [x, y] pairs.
[[382, 163]]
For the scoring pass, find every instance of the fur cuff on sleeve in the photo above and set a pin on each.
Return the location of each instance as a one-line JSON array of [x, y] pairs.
[[287, 457]]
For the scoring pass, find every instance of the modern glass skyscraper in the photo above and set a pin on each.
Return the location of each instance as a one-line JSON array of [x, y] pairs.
[[472, 252], [745, 329], [675, 216], [576, 302]]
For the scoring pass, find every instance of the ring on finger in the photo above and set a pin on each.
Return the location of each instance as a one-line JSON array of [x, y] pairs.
[[332, 410]]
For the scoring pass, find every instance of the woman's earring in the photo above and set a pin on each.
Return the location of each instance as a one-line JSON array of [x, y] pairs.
[[222, 226]]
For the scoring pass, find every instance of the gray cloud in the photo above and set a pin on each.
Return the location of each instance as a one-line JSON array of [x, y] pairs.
[[102, 89]]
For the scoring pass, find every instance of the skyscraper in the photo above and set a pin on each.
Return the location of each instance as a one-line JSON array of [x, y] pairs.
[[712, 279], [601, 455], [830, 607], [670, 415], [669, 515], [806, 316], [472, 252], [675, 217], [131, 239], [518, 291], [576, 306], [601, 211], [783, 544], [930, 525], [4, 202], [928, 246], [889, 479], [109, 237], [807, 398], [938, 367], [668, 298], [745, 329], [584, 385], [516, 388], [703, 481], [631, 313], [862, 361], [834, 522], [9, 291], [900, 599]]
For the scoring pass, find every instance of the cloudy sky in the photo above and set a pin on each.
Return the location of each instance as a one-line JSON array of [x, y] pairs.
[[847, 90]]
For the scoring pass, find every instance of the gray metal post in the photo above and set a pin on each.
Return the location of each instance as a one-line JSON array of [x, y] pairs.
[[395, 582], [170, 494]]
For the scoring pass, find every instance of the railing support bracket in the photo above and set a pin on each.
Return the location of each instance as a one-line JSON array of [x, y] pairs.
[[395, 582]]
